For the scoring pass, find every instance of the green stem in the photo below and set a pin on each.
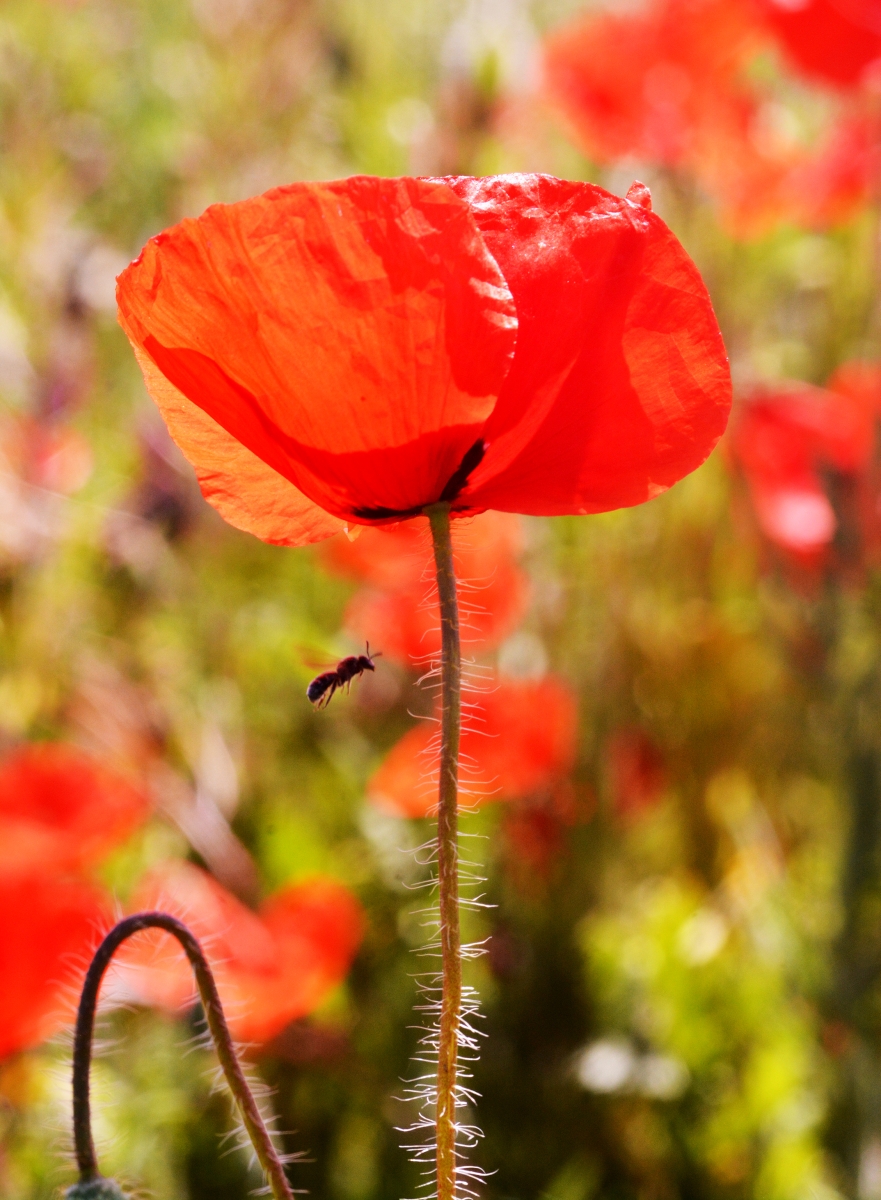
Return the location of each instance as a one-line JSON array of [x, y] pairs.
[[448, 852], [82, 1049]]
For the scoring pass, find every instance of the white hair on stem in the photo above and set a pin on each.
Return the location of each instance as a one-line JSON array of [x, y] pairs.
[[421, 1089]]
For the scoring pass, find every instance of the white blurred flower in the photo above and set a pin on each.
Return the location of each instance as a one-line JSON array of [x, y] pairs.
[[661, 1077], [702, 936], [409, 121], [95, 276], [613, 1064], [606, 1065]]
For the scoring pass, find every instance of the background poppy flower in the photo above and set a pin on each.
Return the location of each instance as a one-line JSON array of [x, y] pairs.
[[675, 83], [517, 739], [637, 772], [47, 929], [61, 810], [535, 829], [645, 82], [786, 440], [271, 966], [833, 184], [838, 41], [378, 345], [399, 612]]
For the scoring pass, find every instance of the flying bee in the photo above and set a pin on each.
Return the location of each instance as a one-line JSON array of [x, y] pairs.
[[320, 691]]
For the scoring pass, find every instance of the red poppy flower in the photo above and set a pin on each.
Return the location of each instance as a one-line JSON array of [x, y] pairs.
[[517, 740], [785, 440], [272, 966], [838, 41], [61, 810], [399, 612], [47, 929], [638, 773], [354, 351]]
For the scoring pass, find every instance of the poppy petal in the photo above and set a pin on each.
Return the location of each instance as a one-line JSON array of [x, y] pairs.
[[271, 966], [352, 335], [47, 929], [829, 40], [244, 489], [637, 772], [61, 810], [516, 740], [398, 612], [318, 926], [620, 384]]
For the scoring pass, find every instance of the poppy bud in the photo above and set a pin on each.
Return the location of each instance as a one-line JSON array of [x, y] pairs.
[[95, 1189]]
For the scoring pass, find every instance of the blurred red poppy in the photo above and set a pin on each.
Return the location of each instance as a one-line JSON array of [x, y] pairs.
[[789, 440], [535, 829], [398, 611], [354, 351], [45, 454], [47, 929], [673, 83], [272, 966], [647, 82], [637, 772], [517, 740], [61, 810], [838, 41], [832, 184]]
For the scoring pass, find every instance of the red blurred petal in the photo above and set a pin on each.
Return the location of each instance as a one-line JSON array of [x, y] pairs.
[[62, 810], [638, 772], [406, 625], [860, 382], [271, 966], [353, 335], [48, 928], [517, 739], [48, 455], [832, 184], [391, 557], [318, 926], [783, 439], [620, 384], [399, 614], [833, 40], [671, 83], [535, 828], [640, 83]]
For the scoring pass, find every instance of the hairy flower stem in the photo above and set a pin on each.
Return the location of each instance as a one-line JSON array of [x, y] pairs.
[[448, 852], [82, 1049]]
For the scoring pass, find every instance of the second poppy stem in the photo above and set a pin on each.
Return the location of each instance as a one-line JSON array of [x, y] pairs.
[[232, 1070], [448, 852]]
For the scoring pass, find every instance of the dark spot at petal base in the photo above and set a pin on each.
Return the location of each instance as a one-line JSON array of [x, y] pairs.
[[451, 489]]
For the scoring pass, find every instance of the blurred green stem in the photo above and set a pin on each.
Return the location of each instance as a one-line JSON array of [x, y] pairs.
[[448, 852], [86, 1158]]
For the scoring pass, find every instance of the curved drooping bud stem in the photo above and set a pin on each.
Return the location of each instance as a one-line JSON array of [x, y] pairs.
[[448, 853], [91, 1185]]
